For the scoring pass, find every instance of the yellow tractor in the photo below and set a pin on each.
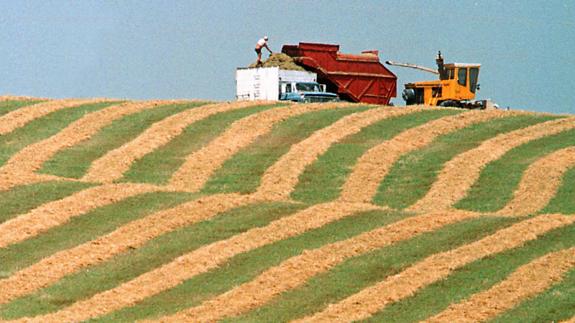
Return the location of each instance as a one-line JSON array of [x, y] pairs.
[[456, 86]]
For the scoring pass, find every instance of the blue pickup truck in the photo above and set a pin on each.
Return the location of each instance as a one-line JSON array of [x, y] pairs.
[[305, 92]]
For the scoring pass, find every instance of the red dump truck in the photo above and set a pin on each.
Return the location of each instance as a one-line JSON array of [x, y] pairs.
[[355, 78]]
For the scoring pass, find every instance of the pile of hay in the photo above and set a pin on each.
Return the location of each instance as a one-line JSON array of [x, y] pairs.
[[282, 61]]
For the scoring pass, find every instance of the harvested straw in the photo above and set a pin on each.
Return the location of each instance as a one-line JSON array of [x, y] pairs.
[[280, 60]]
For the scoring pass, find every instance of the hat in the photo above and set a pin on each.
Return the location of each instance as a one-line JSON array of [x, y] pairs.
[[266, 37]]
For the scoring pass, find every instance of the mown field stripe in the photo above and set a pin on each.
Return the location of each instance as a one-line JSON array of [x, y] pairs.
[[122, 239], [200, 165], [44, 127], [279, 181], [18, 118], [374, 298], [297, 270], [115, 163], [24, 198], [7, 106], [479, 276], [373, 166], [413, 174], [526, 281], [202, 260], [56, 213], [357, 273], [540, 183], [129, 236], [241, 268], [459, 174], [74, 161], [500, 178], [564, 200], [243, 171], [322, 181], [31, 158], [163, 249]]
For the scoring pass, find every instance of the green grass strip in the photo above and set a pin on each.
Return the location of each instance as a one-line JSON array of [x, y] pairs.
[[11, 105], [322, 181], [413, 174], [247, 266], [243, 172], [564, 200], [85, 228], [554, 305], [157, 167], [43, 128], [500, 178], [154, 254], [24, 198], [473, 278], [360, 272], [75, 161]]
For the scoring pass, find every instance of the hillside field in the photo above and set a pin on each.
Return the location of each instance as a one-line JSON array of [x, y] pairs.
[[187, 210]]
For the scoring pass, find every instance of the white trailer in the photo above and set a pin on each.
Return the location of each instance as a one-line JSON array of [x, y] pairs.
[[264, 83], [273, 83]]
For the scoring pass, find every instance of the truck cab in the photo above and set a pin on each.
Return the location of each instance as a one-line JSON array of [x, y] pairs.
[[305, 92]]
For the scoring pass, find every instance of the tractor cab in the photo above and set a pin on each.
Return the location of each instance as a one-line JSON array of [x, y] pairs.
[[456, 85]]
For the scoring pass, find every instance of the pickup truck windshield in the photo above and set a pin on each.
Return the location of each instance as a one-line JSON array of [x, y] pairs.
[[308, 87]]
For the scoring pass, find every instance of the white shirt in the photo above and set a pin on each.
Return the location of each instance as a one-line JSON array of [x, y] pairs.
[[262, 42]]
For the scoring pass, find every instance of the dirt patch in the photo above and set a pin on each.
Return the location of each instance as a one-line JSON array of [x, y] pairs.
[[436, 267], [459, 174], [525, 282], [115, 163], [373, 166], [202, 260], [281, 178], [200, 165], [130, 236], [540, 183], [297, 270], [20, 117], [280, 60], [59, 212]]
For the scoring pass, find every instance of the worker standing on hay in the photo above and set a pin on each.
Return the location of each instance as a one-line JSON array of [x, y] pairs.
[[262, 43]]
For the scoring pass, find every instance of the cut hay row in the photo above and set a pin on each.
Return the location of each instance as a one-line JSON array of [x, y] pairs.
[[200, 165], [297, 270], [31, 158], [19, 98], [279, 181], [459, 174], [96, 251], [103, 248], [58, 212], [203, 259], [525, 282], [10, 180], [540, 183], [18, 118], [138, 232], [115, 163], [130, 236], [374, 165], [365, 303]]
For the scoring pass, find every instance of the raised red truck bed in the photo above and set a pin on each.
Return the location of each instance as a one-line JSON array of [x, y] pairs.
[[356, 78]]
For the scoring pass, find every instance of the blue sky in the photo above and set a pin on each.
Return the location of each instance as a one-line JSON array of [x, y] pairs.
[[190, 49]]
